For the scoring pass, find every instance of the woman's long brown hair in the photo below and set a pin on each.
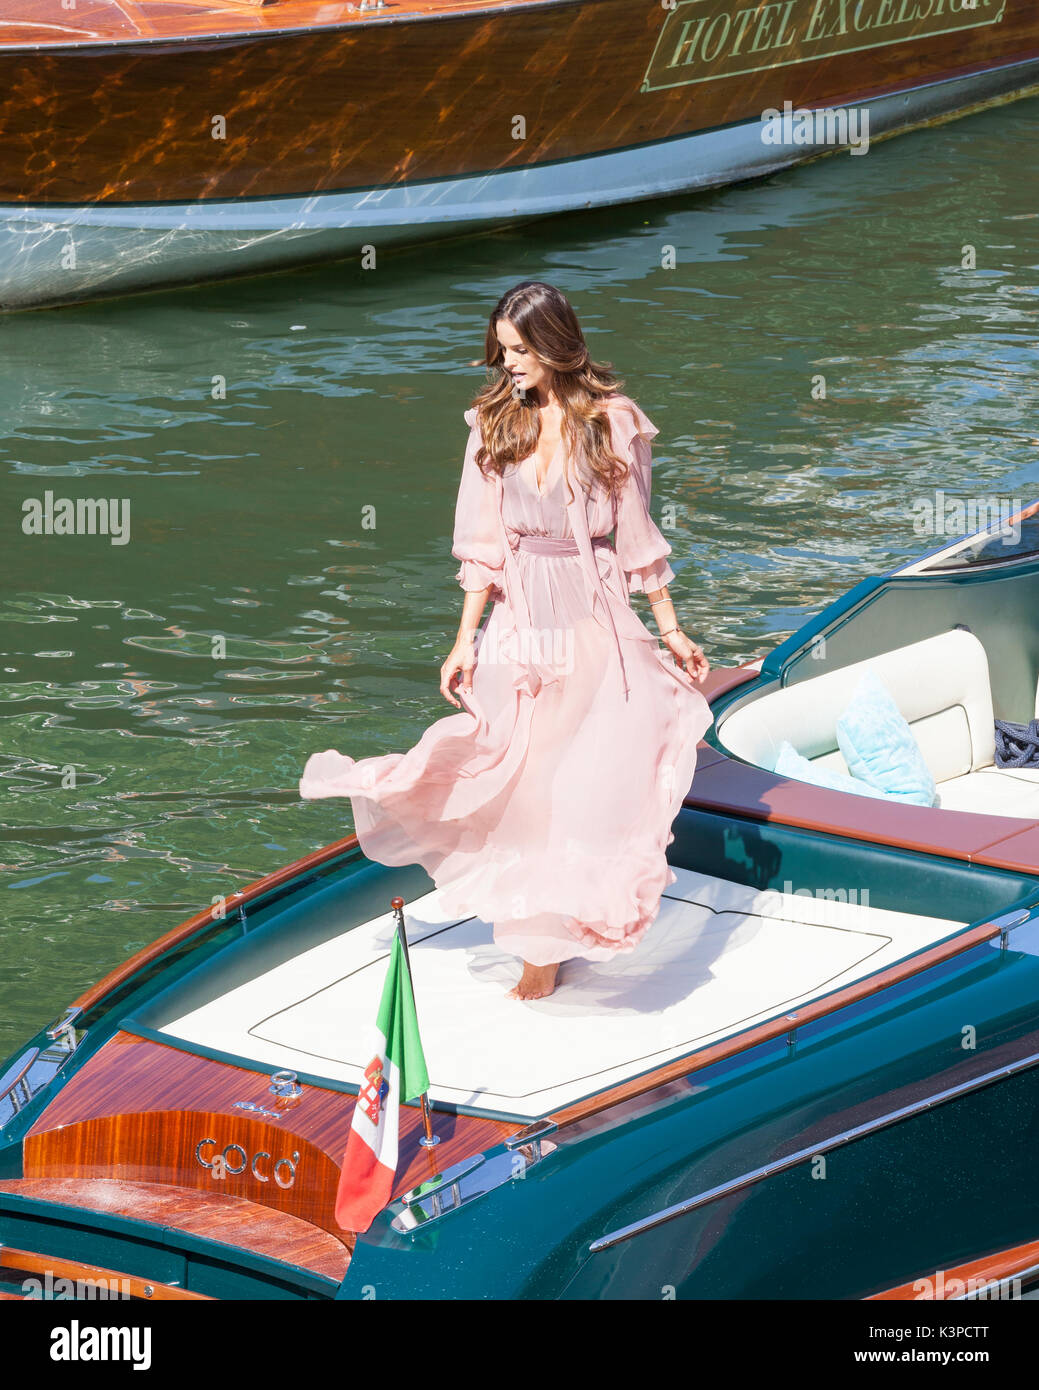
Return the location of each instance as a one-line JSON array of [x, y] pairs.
[[509, 421]]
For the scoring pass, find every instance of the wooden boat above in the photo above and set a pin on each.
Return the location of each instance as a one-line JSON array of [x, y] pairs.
[[151, 144]]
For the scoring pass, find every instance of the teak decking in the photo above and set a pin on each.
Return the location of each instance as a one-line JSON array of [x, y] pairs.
[[137, 1110]]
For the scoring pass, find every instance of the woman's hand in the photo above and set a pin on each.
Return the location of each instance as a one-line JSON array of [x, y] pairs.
[[687, 654], [462, 661]]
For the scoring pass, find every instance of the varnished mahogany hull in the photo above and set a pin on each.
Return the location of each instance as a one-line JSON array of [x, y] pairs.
[[138, 1112], [199, 144], [55, 254], [371, 104]]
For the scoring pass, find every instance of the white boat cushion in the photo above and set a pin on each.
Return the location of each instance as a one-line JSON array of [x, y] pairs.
[[941, 686], [994, 791]]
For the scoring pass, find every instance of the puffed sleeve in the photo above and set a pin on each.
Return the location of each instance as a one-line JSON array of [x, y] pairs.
[[641, 549], [477, 538]]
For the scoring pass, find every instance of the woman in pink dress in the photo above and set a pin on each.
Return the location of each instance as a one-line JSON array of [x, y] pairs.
[[545, 805]]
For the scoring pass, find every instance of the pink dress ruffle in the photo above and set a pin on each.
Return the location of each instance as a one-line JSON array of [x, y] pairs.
[[546, 807]]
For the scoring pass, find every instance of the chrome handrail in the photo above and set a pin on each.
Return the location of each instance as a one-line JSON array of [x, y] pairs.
[[715, 1194]]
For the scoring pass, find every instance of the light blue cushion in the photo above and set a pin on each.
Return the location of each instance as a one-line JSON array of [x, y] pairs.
[[790, 763], [879, 747]]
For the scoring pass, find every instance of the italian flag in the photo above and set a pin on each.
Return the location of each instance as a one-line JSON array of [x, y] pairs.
[[396, 1072]]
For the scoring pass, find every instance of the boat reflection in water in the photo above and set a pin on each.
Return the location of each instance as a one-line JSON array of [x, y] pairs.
[[163, 142]]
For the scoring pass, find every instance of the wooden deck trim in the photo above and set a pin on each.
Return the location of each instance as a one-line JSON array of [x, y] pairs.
[[728, 786], [32, 1263], [205, 918], [228, 1222], [1004, 1264], [93, 19], [137, 1108], [776, 1028]]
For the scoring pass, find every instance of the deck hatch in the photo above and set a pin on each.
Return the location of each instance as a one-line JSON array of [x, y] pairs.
[[721, 957]]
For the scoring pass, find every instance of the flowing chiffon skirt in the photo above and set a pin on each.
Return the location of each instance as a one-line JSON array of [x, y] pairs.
[[546, 806]]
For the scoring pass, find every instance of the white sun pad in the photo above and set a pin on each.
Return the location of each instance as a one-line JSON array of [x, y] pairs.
[[720, 957]]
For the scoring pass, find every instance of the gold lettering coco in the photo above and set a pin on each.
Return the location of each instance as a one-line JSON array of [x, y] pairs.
[[235, 1160]]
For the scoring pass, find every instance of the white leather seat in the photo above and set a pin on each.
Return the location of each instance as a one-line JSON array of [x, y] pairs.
[[941, 685], [994, 791]]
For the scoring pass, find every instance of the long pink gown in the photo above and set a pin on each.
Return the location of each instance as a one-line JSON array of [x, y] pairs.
[[546, 807]]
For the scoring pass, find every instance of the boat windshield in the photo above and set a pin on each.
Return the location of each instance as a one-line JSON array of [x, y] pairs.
[[1000, 544]]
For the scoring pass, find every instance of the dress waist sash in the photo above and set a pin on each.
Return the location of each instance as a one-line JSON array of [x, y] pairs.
[[557, 545]]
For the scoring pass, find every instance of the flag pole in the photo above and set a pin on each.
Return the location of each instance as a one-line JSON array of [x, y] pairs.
[[429, 1139]]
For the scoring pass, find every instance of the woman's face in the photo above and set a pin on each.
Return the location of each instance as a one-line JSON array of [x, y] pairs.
[[519, 361]]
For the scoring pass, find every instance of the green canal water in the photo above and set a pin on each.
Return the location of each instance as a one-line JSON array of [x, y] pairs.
[[252, 617]]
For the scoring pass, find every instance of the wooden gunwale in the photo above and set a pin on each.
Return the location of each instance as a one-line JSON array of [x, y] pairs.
[[346, 23], [726, 785], [29, 1262], [314, 16], [778, 1027], [1003, 1264]]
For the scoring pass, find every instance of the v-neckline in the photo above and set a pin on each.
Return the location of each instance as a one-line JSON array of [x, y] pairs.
[[542, 489]]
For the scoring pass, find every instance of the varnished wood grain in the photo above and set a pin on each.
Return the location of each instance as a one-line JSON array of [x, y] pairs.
[[721, 679], [228, 1220], [29, 1262], [341, 101], [160, 1146], [46, 22], [1004, 1264], [137, 1110], [732, 787]]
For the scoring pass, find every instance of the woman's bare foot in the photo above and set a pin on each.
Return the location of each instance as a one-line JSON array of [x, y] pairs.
[[536, 982]]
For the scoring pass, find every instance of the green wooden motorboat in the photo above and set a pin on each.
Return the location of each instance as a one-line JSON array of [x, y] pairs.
[[800, 1085]]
